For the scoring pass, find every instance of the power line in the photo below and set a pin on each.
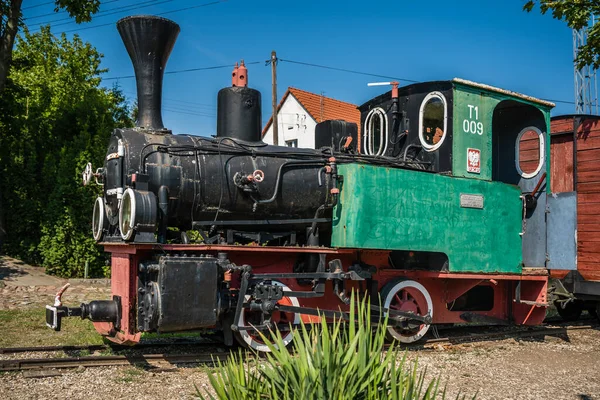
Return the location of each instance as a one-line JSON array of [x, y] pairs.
[[299, 63], [381, 76], [184, 70], [560, 101], [106, 13], [192, 7], [185, 103], [179, 109], [60, 12], [37, 5], [207, 68], [347, 70], [199, 113], [188, 113], [163, 13], [184, 108], [189, 108]]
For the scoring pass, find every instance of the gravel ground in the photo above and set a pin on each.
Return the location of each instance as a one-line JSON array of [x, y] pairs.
[[548, 368], [553, 368], [105, 383]]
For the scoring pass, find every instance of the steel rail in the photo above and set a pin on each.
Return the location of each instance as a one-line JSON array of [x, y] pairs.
[[210, 358], [484, 337], [97, 347], [106, 361]]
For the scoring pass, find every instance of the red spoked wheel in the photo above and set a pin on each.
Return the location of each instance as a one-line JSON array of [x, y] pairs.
[[407, 296], [251, 338]]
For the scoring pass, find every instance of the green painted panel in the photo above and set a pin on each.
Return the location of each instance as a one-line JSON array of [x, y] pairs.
[[398, 209], [472, 127], [473, 111]]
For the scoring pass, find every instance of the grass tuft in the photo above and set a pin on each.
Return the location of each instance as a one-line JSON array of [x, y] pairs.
[[330, 361]]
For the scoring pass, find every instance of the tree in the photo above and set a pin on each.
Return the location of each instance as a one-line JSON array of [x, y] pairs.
[[55, 118], [10, 21], [577, 14]]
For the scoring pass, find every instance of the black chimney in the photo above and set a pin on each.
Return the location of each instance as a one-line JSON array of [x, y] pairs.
[[149, 41]]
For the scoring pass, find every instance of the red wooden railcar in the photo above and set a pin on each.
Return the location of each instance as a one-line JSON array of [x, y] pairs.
[[575, 167]]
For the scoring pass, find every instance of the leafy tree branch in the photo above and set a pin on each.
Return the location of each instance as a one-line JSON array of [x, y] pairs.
[[577, 14], [11, 20]]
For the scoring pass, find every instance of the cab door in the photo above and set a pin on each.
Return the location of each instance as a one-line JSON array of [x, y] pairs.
[[561, 213], [530, 162]]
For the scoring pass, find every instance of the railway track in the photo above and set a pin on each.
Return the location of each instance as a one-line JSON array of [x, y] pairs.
[[170, 360], [99, 347], [515, 334], [150, 360]]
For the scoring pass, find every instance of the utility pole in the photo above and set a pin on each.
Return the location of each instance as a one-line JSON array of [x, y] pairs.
[[274, 86], [322, 105]]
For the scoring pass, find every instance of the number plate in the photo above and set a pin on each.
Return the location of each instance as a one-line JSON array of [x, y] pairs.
[[471, 201]]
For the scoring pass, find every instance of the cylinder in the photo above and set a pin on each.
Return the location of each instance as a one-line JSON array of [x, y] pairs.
[[239, 114], [149, 41]]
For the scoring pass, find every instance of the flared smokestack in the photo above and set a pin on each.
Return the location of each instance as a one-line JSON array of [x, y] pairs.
[[149, 41]]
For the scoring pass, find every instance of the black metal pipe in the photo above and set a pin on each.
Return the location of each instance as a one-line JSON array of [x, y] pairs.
[[279, 173], [313, 241], [321, 170], [408, 147], [163, 217], [313, 226], [334, 177]]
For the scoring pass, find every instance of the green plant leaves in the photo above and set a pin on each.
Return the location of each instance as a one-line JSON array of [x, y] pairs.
[[577, 14], [329, 360], [54, 118]]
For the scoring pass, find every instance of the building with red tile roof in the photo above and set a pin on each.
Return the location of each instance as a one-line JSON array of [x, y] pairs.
[[300, 111]]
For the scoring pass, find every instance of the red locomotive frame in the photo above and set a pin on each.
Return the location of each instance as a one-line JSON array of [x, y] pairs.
[[528, 307]]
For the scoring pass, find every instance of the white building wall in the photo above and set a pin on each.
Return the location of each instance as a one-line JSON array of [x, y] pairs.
[[294, 124]]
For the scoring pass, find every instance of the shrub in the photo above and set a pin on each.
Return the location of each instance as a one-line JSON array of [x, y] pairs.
[[330, 361], [54, 118], [65, 250]]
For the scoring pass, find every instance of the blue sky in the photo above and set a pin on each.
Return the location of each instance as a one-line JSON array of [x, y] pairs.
[[492, 42]]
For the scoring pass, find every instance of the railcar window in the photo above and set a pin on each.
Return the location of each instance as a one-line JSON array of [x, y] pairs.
[[433, 117], [529, 154], [375, 137]]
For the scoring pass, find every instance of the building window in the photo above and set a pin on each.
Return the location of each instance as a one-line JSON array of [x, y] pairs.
[[291, 143], [433, 121], [529, 152], [375, 140]]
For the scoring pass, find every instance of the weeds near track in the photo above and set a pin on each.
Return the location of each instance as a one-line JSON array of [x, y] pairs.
[[330, 361]]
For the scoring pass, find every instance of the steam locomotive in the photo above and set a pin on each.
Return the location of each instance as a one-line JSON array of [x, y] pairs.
[[437, 210]]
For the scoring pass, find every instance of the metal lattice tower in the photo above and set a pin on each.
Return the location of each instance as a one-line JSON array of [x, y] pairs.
[[586, 86]]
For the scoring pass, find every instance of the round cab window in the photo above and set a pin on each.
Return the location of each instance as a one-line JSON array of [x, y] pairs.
[[432, 121], [529, 155]]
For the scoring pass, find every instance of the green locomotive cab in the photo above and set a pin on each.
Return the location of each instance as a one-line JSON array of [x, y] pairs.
[[463, 217], [468, 195]]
